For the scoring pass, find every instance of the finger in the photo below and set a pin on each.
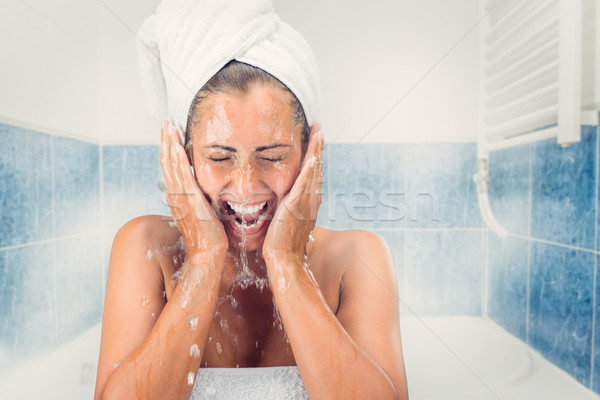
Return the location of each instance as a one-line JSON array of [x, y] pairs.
[[313, 142], [311, 152], [177, 164], [303, 182], [165, 153]]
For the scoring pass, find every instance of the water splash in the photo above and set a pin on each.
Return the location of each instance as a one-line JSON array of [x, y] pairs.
[[194, 350], [190, 378], [193, 322], [219, 349], [176, 277]]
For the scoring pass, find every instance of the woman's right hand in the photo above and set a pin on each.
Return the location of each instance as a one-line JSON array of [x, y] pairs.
[[201, 229]]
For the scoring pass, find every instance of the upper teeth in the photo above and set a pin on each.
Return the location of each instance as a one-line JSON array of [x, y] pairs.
[[238, 208]]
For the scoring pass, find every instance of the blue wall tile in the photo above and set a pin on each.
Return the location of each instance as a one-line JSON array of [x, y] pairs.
[[563, 197], [79, 275], [444, 272], [507, 283], [366, 186], [76, 187], [25, 186], [560, 324], [596, 355], [130, 176], [509, 188], [27, 306], [441, 192]]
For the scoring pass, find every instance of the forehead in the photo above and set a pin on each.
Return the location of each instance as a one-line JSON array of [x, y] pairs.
[[263, 114]]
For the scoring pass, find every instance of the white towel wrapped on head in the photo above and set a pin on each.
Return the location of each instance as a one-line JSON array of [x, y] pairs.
[[186, 42]]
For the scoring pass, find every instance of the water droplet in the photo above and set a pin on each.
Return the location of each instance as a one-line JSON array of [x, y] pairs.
[[194, 351], [190, 378], [144, 301], [257, 343], [209, 339], [149, 255], [311, 237], [219, 349], [237, 365], [193, 322], [116, 365]]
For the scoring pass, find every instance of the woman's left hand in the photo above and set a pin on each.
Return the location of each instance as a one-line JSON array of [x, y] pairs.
[[296, 214]]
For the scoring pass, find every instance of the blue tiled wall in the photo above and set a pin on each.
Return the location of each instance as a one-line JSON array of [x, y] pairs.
[[541, 278], [421, 199], [51, 280], [63, 200]]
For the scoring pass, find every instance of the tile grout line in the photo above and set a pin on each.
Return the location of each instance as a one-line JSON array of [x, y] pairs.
[[43, 241], [102, 240], [595, 270], [53, 240], [529, 244], [565, 246], [486, 271]]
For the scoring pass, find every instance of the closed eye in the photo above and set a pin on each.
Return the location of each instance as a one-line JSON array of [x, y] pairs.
[[217, 159], [273, 159]]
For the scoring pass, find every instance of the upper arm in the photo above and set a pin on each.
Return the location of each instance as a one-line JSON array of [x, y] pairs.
[[369, 303], [133, 300]]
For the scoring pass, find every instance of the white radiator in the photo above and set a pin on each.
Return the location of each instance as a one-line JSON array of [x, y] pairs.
[[539, 68], [531, 71]]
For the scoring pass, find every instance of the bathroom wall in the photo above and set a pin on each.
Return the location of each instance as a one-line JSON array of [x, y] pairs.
[[73, 70], [51, 257], [63, 201], [541, 281]]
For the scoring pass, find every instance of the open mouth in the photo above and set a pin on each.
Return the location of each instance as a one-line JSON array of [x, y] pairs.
[[247, 217]]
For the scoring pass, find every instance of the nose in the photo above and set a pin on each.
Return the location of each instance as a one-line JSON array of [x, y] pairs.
[[245, 182]]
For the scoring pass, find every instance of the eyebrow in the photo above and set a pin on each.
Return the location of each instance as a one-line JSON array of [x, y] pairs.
[[258, 149]]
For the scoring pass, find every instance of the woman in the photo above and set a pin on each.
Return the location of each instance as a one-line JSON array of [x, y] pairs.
[[240, 276]]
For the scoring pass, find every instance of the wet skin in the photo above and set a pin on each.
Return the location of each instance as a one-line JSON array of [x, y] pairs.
[[336, 294]]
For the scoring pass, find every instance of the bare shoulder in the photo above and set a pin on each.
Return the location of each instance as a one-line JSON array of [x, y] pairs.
[[149, 242], [355, 252], [147, 230]]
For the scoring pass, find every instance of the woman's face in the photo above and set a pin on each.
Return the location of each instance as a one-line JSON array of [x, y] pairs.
[[246, 154]]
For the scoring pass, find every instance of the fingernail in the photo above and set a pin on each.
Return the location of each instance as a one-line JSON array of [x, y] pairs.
[[320, 136], [318, 127], [164, 124], [312, 161]]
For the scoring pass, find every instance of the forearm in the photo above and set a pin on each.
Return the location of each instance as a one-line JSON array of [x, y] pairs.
[[332, 365], [160, 366]]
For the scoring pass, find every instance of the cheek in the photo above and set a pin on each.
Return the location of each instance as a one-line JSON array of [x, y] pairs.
[[211, 179], [281, 180]]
